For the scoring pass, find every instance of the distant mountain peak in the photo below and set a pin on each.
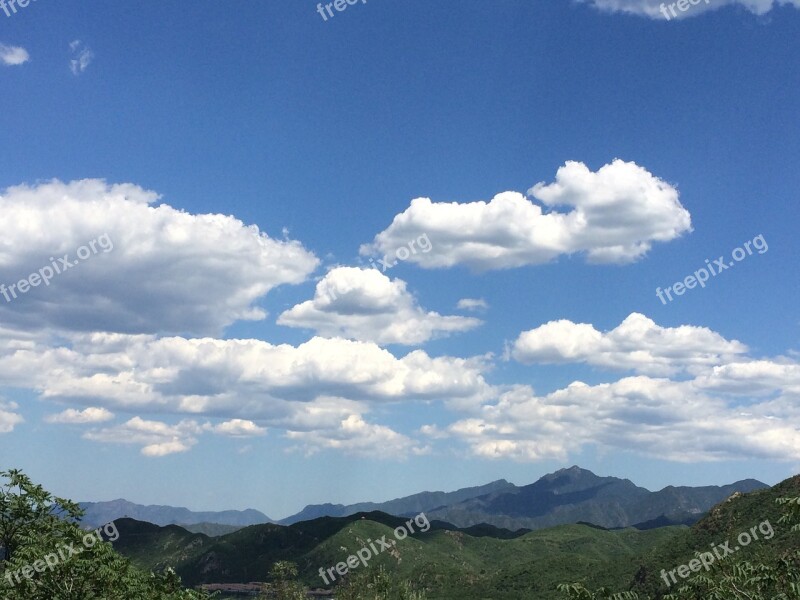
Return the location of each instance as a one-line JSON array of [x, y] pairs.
[[574, 470]]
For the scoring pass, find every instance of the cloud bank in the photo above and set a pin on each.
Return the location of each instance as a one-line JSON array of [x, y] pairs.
[[169, 271]]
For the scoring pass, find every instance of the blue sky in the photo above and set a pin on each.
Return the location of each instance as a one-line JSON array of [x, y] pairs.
[[247, 160]]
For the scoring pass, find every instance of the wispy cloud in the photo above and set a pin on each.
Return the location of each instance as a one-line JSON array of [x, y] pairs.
[[651, 8], [83, 57], [87, 415], [13, 55], [239, 428], [155, 437], [476, 304]]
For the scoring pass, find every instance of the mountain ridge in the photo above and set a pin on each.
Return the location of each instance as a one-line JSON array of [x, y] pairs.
[[403, 506], [568, 495], [99, 513], [574, 494]]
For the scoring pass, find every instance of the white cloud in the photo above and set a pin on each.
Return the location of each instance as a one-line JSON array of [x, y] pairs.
[[753, 378], [155, 437], [617, 214], [246, 379], [309, 389], [433, 431], [654, 417], [83, 57], [651, 8], [169, 271], [357, 437], [91, 414], [364, 304], [238, 428], [476, 304], [8, 418], [13, 55], [637, 343]]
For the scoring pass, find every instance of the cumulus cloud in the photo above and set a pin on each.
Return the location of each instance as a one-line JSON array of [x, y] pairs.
[[237, 428], [475, 304], [310, 389], [8, 418], [155, 437], [616, 214], [654, 417], [651, 8], [83, 57], [637, 344], [357, 437], [12, 56], [364, 304], [753, 378], [91, 414], [244, 379], [169, 271]]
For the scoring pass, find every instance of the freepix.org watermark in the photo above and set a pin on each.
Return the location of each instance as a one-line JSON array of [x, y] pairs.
[[5, 5], [712, 269], [403, 252], [56, 267], [339, 5], [683, 6], [63, 553], [706, 559], [364, 555]]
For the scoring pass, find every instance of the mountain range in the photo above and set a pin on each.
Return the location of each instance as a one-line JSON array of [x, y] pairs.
[[406, 506], [567, 496], [465, 564], [99, 513]]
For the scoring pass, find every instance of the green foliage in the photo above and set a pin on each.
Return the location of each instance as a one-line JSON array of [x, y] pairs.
[[377, 585], [791, 514], [29, 512], [284, 584], [775, 576], [449, 565], [35, 526], [745, 581], [576, 591]]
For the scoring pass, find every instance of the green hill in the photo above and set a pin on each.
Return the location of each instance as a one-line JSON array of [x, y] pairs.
[[449, 562], [723, 524], [482, 562]]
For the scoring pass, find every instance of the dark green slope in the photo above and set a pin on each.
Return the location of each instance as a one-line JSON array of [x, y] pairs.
[[155, 547], [724, 523], [449, 562]]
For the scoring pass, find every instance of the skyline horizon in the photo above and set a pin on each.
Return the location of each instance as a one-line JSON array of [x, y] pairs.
[[380, 501]]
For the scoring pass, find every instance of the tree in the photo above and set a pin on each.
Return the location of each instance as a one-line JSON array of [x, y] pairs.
[[27, 511], [284, 584], [47, 556]]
